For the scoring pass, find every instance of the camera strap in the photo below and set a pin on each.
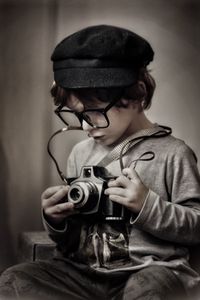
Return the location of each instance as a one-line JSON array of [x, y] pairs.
[[158, 131]]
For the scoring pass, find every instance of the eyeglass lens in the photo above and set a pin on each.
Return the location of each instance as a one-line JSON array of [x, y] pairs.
[[93, 118]]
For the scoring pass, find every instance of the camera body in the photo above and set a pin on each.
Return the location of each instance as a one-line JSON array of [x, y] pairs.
[[87, 194]]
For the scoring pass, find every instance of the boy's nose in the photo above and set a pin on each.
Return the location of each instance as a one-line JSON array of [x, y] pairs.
[[86, 126]]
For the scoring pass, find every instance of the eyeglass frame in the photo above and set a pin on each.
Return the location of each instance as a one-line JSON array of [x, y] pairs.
[[80, 115]]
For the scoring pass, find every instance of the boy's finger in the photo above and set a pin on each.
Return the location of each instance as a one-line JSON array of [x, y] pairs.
[[51, 190], [120, 181], [60, 208], [118, 199], [115, 191], [131, 174], [55, 198]]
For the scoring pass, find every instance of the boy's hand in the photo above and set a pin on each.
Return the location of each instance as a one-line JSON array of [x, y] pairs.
[[55, 208], [128, 190]]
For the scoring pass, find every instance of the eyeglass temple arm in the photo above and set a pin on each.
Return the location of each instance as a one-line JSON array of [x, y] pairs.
[[61, 174]]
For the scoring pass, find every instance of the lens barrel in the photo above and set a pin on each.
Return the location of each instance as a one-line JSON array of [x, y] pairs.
[[83, 194]]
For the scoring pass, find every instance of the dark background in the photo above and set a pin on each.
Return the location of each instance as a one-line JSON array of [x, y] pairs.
[[29, 30]]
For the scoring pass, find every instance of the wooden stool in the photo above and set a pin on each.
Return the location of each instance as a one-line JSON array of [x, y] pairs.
[[35, 245]]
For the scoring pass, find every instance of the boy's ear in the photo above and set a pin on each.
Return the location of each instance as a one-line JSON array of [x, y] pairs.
[[142, 91], [128, 103], [125, 102], [142, 87]]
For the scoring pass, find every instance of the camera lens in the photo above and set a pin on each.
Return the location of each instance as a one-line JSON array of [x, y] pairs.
[[80, 192], [75, 194]]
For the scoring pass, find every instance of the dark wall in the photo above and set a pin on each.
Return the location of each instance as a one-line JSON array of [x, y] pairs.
[[26, 39]]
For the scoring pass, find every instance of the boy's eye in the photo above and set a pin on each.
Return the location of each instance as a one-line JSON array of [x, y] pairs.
[[87, 118], [95, 118]]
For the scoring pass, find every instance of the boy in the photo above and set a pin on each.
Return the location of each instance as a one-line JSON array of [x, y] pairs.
[[140, 252]]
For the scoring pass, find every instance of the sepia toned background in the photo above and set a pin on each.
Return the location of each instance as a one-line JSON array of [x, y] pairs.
[[29, 30]]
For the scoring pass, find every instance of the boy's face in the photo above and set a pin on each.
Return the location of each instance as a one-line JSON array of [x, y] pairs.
[[123, 120]]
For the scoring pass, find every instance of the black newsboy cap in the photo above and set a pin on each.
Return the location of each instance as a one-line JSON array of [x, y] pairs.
[[100, 56]]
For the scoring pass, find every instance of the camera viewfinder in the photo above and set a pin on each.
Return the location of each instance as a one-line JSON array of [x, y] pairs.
[[87, 172]]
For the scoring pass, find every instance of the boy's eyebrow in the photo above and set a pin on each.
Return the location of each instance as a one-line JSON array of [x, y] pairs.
[[90, 104], [96, 106], [85, 107]]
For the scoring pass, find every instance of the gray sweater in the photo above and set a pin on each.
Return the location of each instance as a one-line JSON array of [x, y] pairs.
[[168, 223]]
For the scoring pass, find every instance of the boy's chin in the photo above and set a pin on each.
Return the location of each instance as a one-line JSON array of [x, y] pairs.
[[105, 141]]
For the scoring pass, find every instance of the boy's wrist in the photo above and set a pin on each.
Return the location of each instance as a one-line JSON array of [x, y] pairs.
[[59, 225], [136, 216]]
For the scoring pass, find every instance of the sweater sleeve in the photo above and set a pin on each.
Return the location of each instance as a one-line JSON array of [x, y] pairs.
[[178, 219], [59, 233]]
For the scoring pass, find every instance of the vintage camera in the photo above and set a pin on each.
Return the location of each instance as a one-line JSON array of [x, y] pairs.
[[87, 194]]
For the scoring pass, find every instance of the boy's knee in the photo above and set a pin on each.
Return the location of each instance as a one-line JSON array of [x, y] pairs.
[[16, 272], [16, 268], [154, 282], [14, 278], [7, 282]]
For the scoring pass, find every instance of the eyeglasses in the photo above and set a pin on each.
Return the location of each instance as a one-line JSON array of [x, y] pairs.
[[96, 118]]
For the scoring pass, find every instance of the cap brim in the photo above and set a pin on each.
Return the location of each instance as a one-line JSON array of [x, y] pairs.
[[94, 77]]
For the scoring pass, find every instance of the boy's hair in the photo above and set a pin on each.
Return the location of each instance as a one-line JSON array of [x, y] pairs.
[[134, 92]]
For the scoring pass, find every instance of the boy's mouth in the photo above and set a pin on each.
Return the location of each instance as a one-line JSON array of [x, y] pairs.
[[96, 137]]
